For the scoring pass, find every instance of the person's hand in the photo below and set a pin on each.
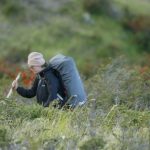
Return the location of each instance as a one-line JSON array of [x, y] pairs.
[[14, 84]]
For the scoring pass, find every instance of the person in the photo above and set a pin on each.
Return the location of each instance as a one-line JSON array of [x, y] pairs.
[[47, 85]]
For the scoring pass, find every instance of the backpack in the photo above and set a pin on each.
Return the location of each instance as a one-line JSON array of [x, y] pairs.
[[70, 77]]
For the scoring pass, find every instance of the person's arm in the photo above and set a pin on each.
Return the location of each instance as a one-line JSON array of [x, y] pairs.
[[52, 84], [28, 93]]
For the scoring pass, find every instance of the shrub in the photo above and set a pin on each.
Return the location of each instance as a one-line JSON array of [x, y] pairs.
[[117, 84], [142, 39], [96, 6], [94, 144], [139, 26], [12, 7], [3, 136], [17, 55]]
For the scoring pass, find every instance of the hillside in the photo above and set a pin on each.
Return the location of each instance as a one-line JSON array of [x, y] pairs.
[[109, 40]]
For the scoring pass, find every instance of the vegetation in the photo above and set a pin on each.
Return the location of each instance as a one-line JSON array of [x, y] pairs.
[[111, 49]]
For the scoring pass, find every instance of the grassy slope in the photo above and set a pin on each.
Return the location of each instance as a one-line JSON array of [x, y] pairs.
[[32, 127], [68, 33]]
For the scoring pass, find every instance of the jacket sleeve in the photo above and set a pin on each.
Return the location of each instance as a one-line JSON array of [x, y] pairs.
[[28, 93], [53, 85]]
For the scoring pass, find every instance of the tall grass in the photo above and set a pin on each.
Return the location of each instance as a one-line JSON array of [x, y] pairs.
[[95, 125]]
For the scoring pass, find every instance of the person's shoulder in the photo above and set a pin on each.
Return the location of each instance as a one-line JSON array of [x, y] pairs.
[[49, 71]]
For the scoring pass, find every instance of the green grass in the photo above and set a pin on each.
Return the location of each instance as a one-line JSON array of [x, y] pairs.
[[96, 124], [65, 129], [136, 6], [68, 33], [106, 54]]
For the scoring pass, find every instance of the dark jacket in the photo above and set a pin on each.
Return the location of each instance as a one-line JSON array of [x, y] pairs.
[[45, 87]]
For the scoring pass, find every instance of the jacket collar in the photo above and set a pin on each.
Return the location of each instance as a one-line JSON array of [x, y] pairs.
[[42, 73]]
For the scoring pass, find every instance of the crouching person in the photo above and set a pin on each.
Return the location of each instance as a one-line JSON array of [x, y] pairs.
[[47, 86]]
